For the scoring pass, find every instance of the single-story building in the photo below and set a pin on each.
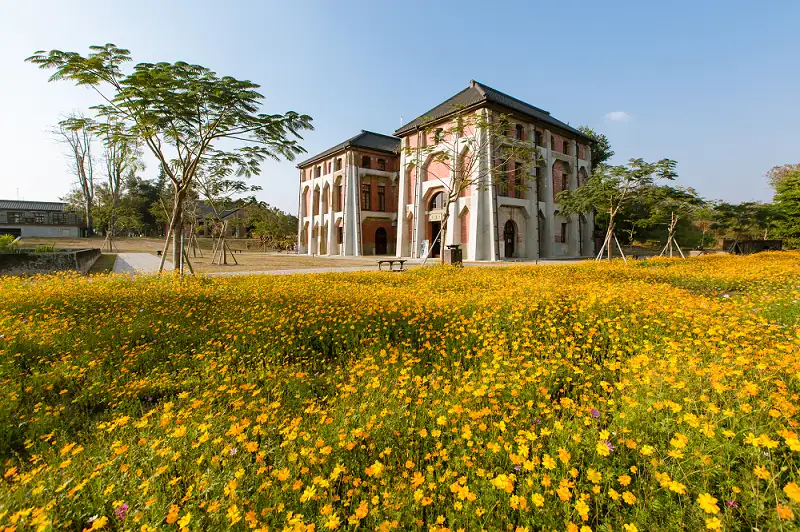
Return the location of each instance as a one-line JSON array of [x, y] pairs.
[[48, 219]]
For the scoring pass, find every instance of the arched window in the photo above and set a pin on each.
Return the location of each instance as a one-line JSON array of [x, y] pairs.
[[337, 196], [436, 202], [365, 161], [520, 132]]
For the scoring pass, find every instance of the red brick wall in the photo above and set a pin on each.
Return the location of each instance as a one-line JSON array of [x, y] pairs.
[[559, 170], [437, 171], [411, 184], [392, 161], [465, 227], [368, 229], [390, 189]]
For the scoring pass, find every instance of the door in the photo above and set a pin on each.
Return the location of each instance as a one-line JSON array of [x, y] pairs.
[[436, 245], [381, 241], [509, 236]]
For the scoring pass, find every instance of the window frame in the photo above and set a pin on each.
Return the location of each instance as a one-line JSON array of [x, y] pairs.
[[382, 198], [366, 196]]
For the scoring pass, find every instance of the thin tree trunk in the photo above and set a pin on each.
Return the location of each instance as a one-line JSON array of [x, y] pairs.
[[177, 228]]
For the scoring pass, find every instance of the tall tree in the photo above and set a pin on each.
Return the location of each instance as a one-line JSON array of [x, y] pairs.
[[610, 189], [186, 115], [601, 147], [787, 201], [459, 148], [749, 219], [122, 156], [75, 132], [669, 206], [218, 189], [777, 174]]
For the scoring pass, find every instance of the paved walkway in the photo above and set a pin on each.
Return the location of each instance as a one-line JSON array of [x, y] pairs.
[[409, 265], [138, 263]]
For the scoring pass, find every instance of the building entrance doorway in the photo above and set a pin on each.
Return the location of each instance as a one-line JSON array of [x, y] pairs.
[[509, 237], [436, 245], [381, 241]]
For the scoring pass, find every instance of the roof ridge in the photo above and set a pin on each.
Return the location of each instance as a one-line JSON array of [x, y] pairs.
[[484, 86], [479, 86], [379, 134]]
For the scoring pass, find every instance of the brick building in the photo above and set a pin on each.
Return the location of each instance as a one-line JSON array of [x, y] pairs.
[[368, 196]]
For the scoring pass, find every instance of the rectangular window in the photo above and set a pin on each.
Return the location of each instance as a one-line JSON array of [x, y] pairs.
[[381, 164], [339, 235], [381, 198], [14, 217], [564, 233], [520, 132], [552, 143], [339, 163], [39, 218], [564, 181], [366, 192]]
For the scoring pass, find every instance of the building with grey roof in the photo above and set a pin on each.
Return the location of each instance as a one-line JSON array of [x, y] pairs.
[[372, 195], [47, 219]]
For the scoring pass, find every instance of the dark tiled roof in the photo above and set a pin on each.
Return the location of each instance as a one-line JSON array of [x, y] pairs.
[[206, 210], [365, 139], [17, 205], [478, 94]]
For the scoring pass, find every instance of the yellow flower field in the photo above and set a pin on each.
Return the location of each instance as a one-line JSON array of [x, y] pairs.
[[661, 395]]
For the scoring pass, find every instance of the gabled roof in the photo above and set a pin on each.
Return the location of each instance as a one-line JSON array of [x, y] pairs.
[[206, 210], [365, 139], [478, 94], [17, 205]]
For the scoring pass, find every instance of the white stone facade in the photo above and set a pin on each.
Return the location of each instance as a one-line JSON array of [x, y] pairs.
[[498, 227], [337, 199]]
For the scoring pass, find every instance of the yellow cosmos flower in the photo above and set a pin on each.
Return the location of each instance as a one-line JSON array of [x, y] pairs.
[[708, 503]]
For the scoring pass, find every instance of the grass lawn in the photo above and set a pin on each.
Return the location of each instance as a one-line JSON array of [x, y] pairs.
[[658, 395], [251, 261]]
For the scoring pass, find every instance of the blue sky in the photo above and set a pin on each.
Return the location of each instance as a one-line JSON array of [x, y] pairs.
[[711, 84]]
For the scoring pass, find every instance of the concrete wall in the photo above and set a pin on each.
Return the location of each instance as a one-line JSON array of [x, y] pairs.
[[37, 263], [45, 231]]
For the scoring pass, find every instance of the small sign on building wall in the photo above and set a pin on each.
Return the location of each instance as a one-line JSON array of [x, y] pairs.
[[436, 216]]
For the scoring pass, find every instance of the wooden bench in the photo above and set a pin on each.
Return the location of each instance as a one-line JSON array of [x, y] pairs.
[[391, 264]]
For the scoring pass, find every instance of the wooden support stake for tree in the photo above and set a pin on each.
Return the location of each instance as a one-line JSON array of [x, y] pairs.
[[188, 263], [233, 255], [620, 249]]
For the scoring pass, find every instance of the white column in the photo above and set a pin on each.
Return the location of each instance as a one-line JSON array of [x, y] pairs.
[[401, 201], [532, 223], [548, 233], [573, 238]]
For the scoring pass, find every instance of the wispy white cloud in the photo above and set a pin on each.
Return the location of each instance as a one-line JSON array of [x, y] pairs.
[[619, 116]]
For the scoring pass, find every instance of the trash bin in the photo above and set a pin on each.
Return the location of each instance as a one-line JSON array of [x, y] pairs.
[[452, 255]]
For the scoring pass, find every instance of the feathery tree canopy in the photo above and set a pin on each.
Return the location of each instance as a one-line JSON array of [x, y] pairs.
[[186, 115], [611, 189]]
